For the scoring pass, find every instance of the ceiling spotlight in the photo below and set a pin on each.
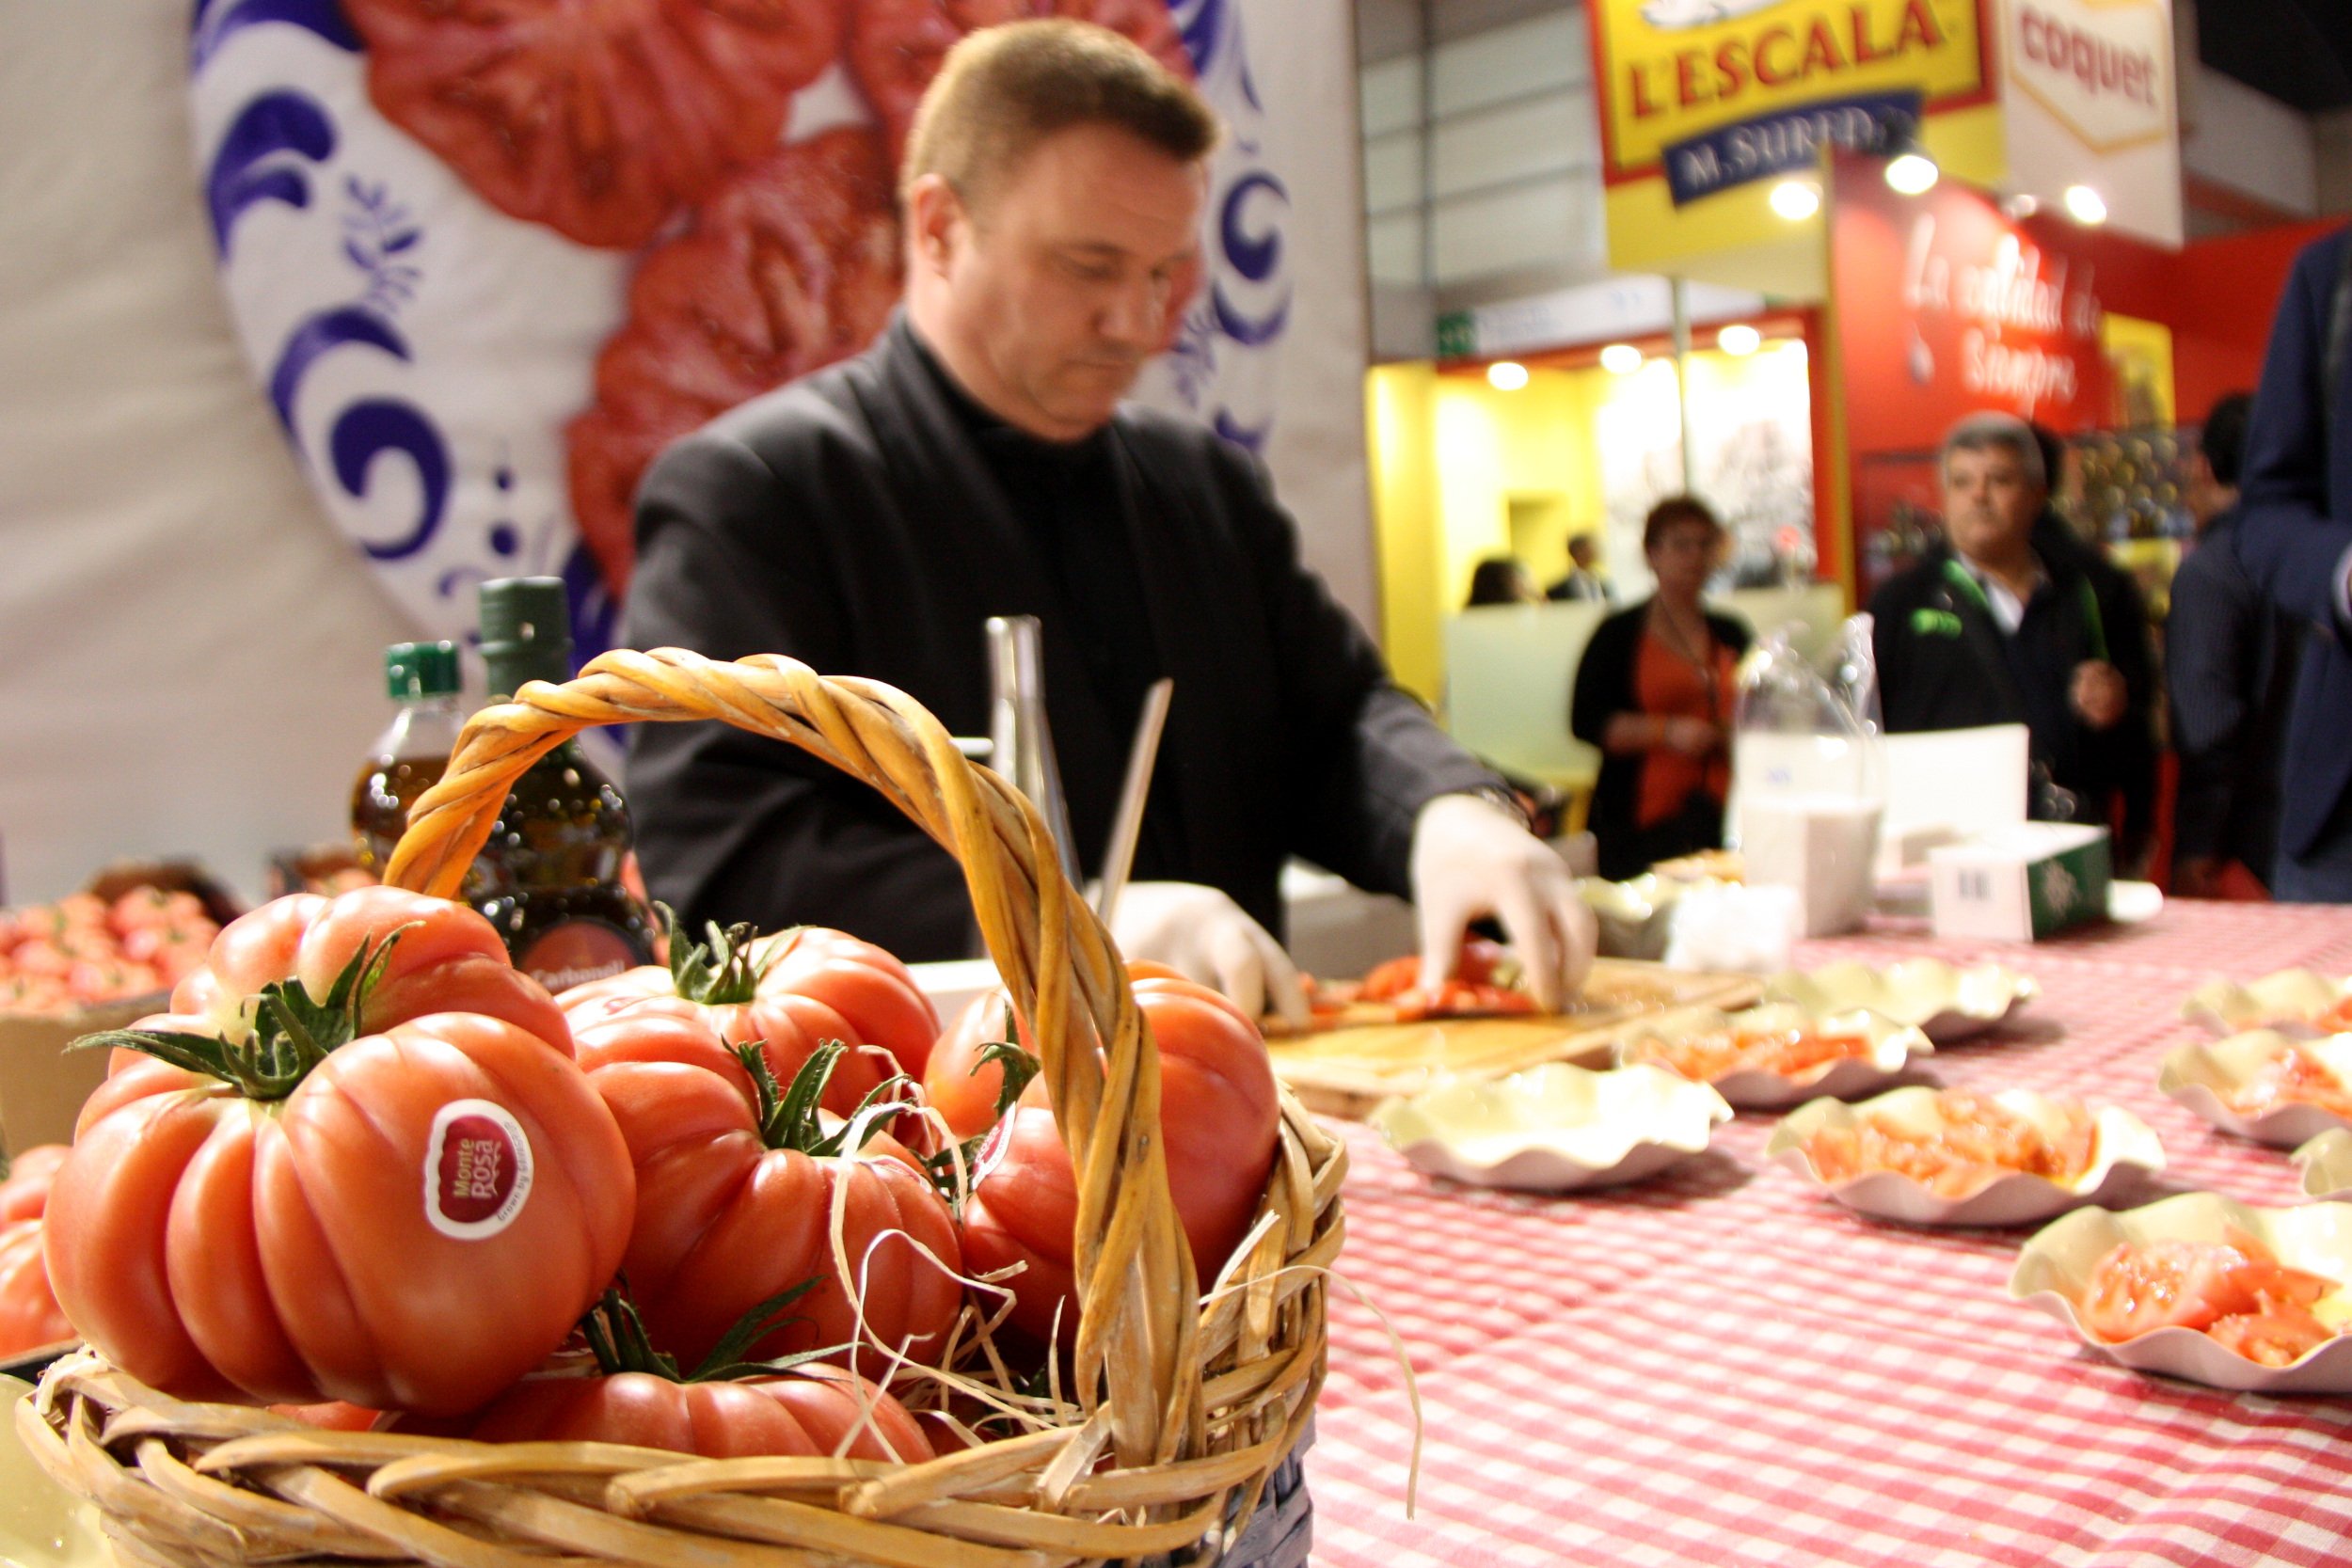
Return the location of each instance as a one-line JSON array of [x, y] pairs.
[[2023, 205], [1621, 359], [1739, 340], [1505, 375], [1796, 199], [1911, 172], [2085, 205]]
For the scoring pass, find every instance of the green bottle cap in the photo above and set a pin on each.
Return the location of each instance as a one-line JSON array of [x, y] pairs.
[[525, 632], [415, 670]]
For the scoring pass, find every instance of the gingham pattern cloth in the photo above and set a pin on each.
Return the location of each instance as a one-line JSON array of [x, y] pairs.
[[1724, 1365]]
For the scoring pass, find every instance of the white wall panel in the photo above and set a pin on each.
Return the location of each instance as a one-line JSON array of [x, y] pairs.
[[1393, 172], [1542, 223], [1393, 241], [1388, 95], [1526, 137], [2250, 141], [1544, 52]]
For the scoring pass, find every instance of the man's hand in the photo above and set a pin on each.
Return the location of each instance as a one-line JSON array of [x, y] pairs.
[[1692, 738], [1203, 935], [2099, 694], [1471, 857]]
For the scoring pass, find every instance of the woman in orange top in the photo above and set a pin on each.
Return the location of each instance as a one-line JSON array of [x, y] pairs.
[[1655, 693]]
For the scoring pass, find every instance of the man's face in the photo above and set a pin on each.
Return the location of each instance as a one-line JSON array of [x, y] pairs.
[[1989, 502], [1061, 282]]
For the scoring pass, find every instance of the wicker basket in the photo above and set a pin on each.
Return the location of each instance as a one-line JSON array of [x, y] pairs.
[[1182, 1415]]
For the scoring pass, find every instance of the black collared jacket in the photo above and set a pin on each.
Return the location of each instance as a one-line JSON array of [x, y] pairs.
[[849, 521], [1944, 663]]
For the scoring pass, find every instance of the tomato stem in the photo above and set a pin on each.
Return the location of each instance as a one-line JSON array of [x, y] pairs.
[[292, 1031], [721, 972], [616, 1336]]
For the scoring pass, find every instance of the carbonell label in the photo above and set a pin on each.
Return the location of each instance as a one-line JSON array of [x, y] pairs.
[[477, 1170]]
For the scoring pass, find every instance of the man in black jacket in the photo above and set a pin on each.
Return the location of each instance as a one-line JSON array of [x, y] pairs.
[[2013, 620], [2296, 539], [2231, 658], [976, 462]]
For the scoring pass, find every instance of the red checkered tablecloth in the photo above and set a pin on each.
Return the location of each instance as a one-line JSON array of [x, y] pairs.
[[1722, 1366]]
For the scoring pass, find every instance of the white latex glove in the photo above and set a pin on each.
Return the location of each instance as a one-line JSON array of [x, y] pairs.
[[1203, 935], [1471, 857]]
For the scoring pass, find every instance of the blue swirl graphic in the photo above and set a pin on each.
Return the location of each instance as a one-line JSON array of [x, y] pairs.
[[1249, 440], [327, 330], [271, 124], [1202, 31], [1254, 256], [365, 432], [209, 29]]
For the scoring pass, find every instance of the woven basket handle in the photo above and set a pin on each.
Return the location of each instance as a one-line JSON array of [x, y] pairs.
[[1134, 1272]]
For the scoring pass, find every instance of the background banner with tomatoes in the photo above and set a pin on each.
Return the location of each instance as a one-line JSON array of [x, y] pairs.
[[474, 351]]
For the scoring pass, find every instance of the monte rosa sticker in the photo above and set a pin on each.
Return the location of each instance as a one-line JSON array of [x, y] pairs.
[[477, 1170]]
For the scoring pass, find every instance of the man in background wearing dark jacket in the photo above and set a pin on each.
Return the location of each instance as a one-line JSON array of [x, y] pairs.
[[2296, 539], [2230, 662], [2013, 620]]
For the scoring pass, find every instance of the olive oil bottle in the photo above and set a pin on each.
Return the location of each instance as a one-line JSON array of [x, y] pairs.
[[550, 874], [409, 757]]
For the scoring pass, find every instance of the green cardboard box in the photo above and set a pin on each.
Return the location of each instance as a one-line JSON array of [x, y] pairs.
[[2021, 883]]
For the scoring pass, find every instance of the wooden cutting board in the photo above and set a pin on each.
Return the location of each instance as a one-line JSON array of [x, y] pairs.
[[1347, 1071]]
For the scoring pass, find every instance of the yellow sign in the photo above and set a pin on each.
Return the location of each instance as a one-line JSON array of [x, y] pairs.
[[1669, 69]]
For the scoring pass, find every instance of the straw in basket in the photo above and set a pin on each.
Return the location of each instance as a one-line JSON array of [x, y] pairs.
[[1186, 1421]]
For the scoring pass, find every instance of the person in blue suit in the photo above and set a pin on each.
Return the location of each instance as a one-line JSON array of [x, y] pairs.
[[2296, 541]]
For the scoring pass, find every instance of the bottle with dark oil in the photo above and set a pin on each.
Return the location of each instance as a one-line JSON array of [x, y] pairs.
[[550, 876], [409, 757]]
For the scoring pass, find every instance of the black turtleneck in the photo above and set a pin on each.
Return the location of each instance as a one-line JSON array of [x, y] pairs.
[[1080, 510]]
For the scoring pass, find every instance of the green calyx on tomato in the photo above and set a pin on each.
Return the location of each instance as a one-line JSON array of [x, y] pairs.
[[787, 1116], [721, 972], [948, 1167], [616, 1337], [292, 1031]]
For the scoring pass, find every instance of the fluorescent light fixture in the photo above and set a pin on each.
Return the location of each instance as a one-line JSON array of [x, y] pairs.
[[1740, 339], [2085, 205], [1621, 359], [1796, 199], [1505, 375], [1911, 173]]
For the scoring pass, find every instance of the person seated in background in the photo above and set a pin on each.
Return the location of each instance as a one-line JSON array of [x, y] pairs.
[[2011, 620], [1582, 582], [1502, 579], [2231, 658], [1655, 693]]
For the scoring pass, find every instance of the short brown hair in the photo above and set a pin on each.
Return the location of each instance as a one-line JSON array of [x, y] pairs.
[[1004, 90], [1677, 509]]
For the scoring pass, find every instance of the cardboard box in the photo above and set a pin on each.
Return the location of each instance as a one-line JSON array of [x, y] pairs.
[[42, 1085], [2021, 882]]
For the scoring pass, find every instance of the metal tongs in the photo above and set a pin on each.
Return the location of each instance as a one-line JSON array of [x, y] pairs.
[[1021, 747]]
